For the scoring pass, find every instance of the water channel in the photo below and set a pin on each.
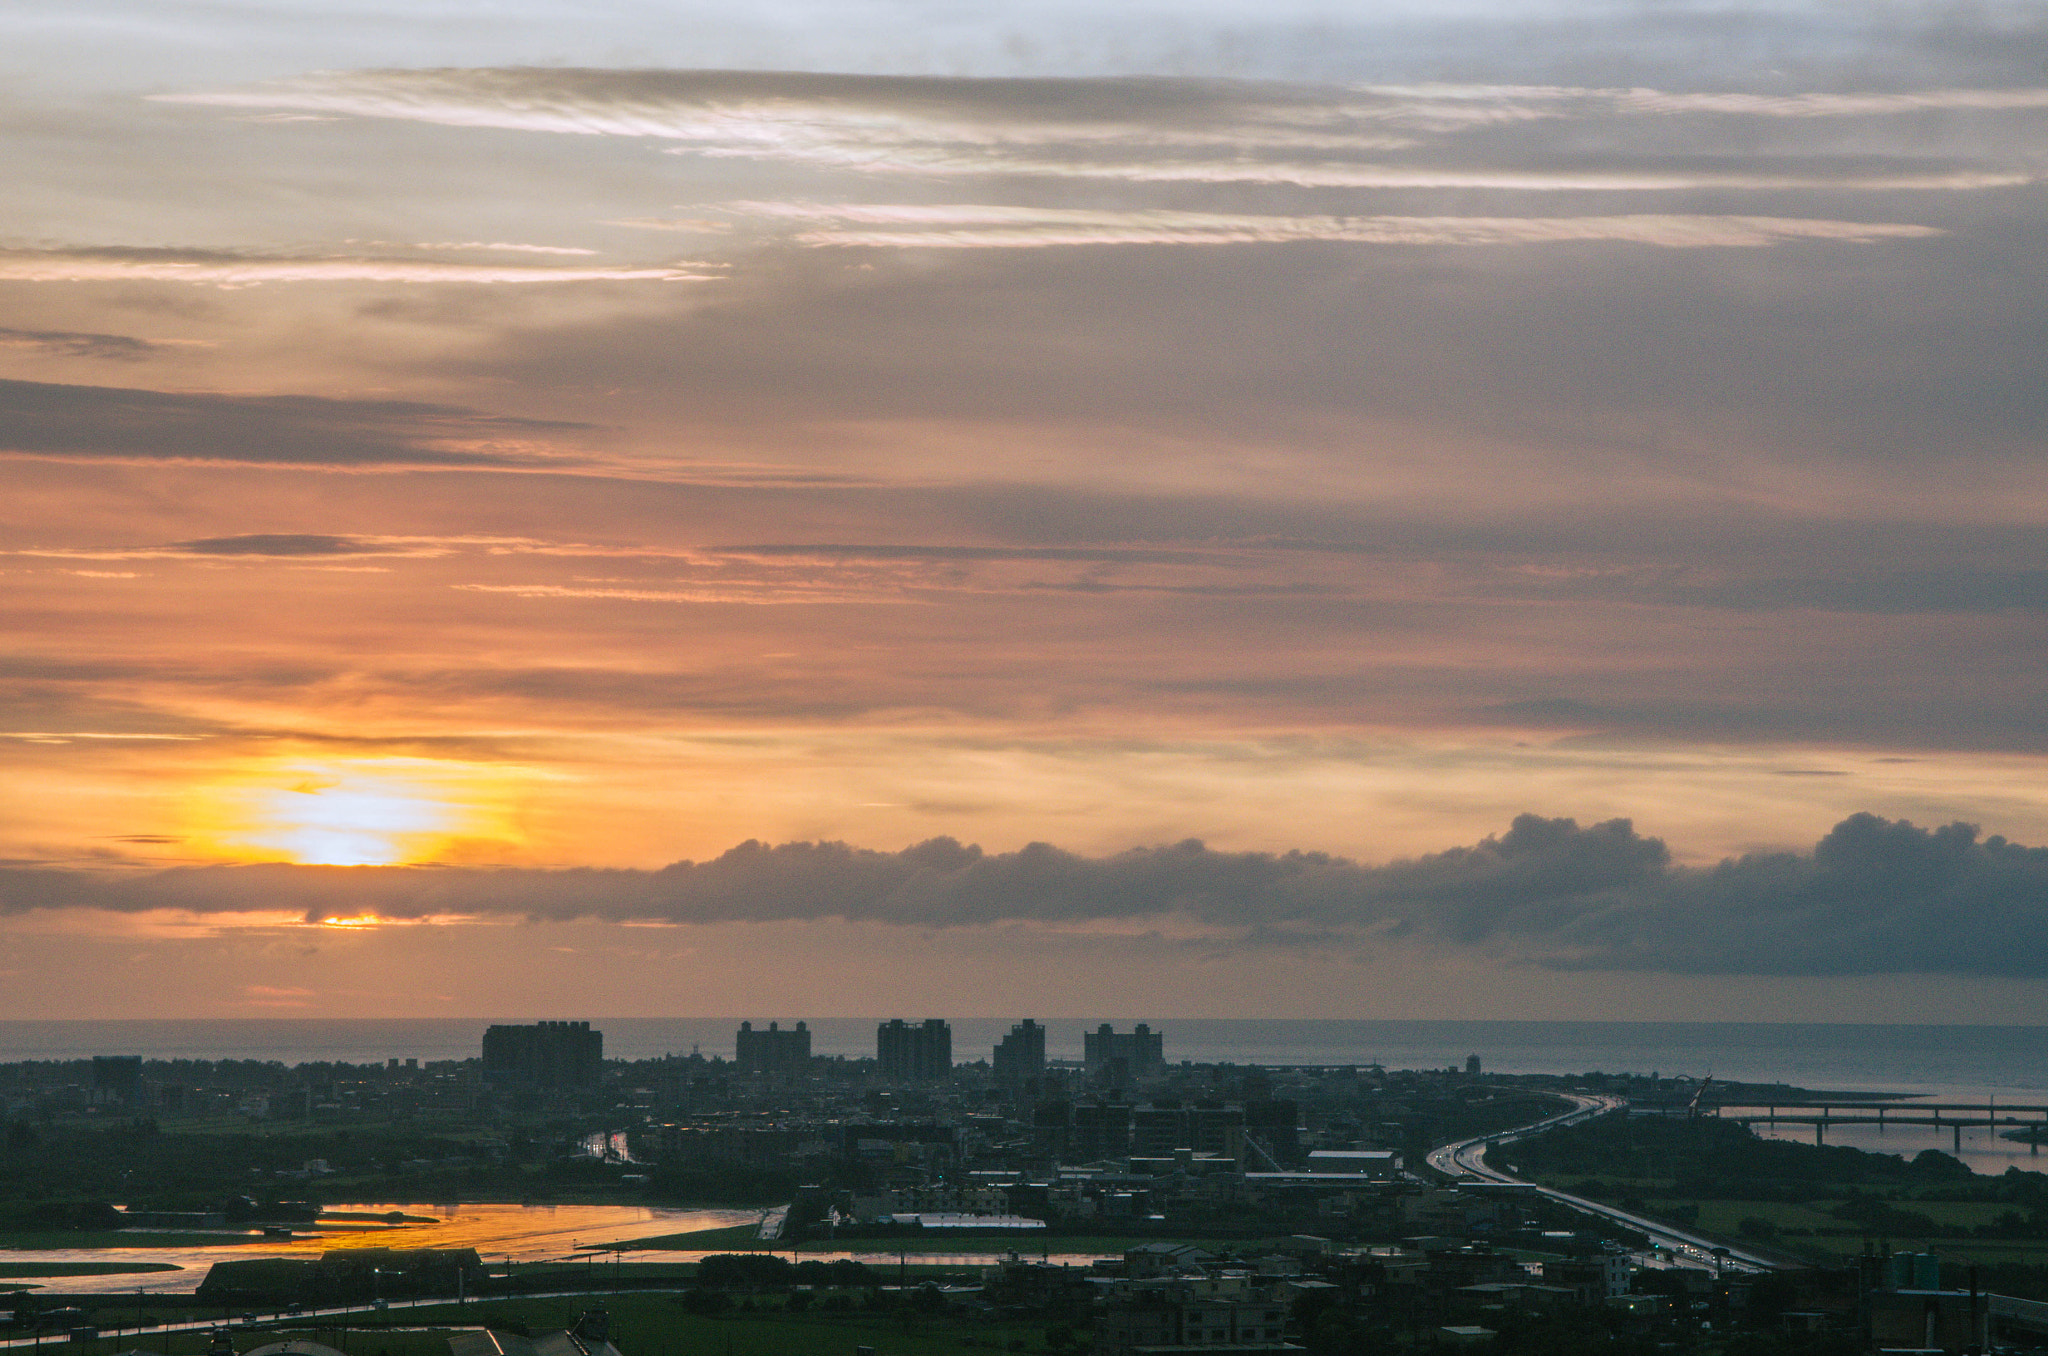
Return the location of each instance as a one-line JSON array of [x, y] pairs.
[[499, 1233]]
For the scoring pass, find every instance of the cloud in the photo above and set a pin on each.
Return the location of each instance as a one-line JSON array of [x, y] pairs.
[[499, 246], [924, 552], [849, 120], [289, 545], [120, 423], [1141, 130], [1929, 590], [278, 544], [1620, 179], [70, 344], [1002, 227], [224, 269], [1872, 897], [67, 736], [1832, 105], [737, 592], [1445, 106]]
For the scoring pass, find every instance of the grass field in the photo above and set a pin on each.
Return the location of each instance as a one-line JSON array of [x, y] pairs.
[[33, 1239], [734, 1238], [1032, 1243], [641, 1325], [1811, 1230], [12, 1269]]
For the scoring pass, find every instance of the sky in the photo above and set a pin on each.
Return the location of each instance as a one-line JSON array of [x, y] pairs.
[[907, 507]]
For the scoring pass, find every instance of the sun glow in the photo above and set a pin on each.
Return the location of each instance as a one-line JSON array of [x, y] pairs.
[[358, 812]]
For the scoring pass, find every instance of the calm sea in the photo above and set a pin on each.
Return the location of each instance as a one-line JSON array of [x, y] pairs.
[[1959, 1063]]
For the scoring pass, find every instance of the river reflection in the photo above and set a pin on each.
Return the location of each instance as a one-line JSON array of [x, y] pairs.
[[518, 1233]]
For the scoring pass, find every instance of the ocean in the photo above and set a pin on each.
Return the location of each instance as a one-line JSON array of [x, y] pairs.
[[1948, 1063], [1928, 1059]]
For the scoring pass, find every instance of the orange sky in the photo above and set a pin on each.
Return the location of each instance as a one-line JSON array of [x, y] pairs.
[[606, 436]]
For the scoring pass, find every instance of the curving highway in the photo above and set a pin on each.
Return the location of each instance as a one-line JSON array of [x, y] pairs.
[[1465, 1161]]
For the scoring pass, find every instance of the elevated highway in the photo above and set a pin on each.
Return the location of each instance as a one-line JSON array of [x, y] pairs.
[[1465, 1161]]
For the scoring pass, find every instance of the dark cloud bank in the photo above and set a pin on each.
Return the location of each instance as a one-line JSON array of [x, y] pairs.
[[1874, 896]]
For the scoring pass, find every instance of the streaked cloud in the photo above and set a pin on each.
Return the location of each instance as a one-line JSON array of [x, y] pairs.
[[1340, 174], [994, 227], [219, 269], [1447, 106], [40, 419], [69, 344], [498, 247], [1131, 130], [288, 544], [67, 736], [758, 592], [831, 118], [1835, 105]]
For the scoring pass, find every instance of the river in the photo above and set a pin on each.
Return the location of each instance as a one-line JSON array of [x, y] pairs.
[[516, 1233]]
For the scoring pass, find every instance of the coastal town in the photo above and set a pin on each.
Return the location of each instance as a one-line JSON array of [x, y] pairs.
[[926, 1199]]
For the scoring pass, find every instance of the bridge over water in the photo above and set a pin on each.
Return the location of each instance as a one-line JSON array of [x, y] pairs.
[[1822, 1113]]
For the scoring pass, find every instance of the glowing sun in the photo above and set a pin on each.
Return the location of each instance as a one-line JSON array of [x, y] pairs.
[[356, 812]]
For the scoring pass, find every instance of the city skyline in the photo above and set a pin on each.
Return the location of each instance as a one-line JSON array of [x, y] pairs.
[[1214, 510]]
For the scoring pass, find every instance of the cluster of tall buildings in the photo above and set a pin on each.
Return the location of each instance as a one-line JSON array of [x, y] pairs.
[[922, 1052], [548, 1056], [562, 1056]]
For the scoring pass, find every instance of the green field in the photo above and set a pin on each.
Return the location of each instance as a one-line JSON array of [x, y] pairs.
[[733, 1238], [35, 1239], [1032, 1243], [642, 1325], [14, 1269]]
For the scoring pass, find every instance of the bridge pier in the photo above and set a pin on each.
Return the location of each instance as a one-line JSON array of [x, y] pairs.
[[1959, 1138]]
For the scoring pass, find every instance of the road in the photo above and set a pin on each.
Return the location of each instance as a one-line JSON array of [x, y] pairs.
[[1465, 1161]]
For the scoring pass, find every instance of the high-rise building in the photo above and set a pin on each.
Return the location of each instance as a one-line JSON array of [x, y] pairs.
[[915, 1054], [1120, 1058], [773, 1050], [1020, 1056], [549, 1056], [117, 1076]]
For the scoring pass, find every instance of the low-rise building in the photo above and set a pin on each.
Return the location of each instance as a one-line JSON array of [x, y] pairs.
[[1203, 1313]]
